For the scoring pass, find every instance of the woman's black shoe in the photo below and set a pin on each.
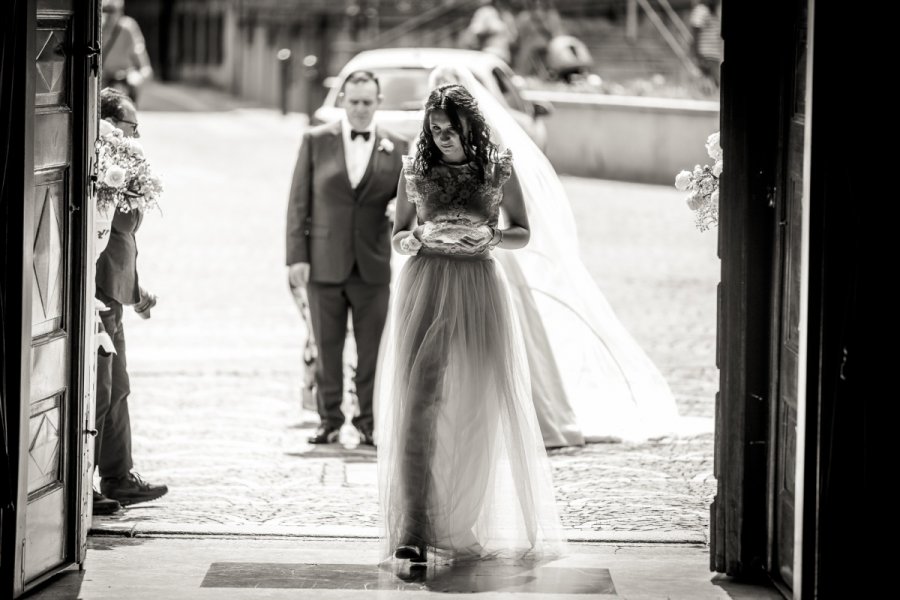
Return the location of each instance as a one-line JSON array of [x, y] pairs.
[[415, 554]]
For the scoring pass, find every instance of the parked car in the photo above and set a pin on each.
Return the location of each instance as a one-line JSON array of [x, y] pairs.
[[403, 74]]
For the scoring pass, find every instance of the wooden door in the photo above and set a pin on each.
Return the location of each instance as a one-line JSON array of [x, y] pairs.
[[786, 334], [53, 475]]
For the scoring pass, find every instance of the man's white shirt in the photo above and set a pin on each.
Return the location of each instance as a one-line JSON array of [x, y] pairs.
[[357, 152]]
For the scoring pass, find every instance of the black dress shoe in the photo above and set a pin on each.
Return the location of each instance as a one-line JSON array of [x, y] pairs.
[[325, 435], [104, 505], [131, 489]]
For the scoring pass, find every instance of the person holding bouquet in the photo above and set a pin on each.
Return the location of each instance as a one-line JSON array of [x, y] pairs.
[[118, 286]]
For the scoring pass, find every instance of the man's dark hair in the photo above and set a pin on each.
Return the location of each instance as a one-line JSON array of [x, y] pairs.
[[361, 76], [111, 101]]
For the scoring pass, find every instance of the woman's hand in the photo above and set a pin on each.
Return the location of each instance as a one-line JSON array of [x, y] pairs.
[[411, 244], [407, 236], [472, 241]]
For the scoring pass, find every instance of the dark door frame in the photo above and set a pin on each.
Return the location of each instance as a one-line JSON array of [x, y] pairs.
[[17, 102], [750, 140], [846, 393]]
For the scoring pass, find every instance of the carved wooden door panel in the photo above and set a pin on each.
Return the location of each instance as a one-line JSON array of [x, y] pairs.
[[54, 484]]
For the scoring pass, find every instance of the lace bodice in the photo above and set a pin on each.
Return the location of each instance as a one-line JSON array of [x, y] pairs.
[[454, 193]]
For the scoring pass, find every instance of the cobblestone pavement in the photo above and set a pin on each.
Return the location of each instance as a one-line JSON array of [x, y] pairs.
[[216, 371]]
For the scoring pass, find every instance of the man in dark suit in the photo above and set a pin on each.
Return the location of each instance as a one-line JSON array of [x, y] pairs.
[[117, 285], [338, 245]]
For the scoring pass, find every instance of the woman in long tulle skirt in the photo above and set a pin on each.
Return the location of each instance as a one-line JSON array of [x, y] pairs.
[[461, 461]]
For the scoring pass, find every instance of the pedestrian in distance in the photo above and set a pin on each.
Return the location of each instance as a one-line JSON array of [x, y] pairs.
[[126, 64]]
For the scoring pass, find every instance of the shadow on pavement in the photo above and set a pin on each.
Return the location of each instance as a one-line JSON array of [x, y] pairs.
[[747, 590], [357, 454]]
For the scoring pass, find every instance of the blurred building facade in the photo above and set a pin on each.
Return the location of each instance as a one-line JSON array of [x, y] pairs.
[[234, 44]]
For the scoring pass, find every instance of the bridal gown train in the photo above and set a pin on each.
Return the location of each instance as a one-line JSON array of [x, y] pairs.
[[461, 462], [591, 381]]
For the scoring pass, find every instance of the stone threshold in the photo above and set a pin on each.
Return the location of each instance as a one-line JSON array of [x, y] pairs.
[[160, 529]]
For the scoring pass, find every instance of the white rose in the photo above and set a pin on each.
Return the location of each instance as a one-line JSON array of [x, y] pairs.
[[135, 147], [410, 244], [106, 127], [682, 181], [714, 198], [115, 176], [694, 201], [713, 148], [717, 168]]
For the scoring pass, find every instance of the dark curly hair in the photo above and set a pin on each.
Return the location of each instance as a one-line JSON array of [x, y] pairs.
[[456, 101]]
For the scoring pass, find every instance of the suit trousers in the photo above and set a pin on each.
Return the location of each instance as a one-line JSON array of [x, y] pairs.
[[329, 304], [112, 446]]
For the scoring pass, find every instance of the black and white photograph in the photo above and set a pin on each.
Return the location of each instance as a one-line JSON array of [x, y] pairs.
[[526, 299]]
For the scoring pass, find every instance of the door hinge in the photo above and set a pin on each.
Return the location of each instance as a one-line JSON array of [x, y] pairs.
[[22, 566], [92, 53]]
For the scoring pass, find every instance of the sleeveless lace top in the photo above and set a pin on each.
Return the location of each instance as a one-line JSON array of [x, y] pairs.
[[453, 193]]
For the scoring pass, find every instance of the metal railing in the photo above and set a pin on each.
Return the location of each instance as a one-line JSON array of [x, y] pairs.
[[680, 51], [389, 37], [675, 19]]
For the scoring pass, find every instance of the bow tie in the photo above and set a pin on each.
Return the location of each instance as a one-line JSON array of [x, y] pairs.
[[365, 135]]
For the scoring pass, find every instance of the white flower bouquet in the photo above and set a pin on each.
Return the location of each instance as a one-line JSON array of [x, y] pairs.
[[125, 180], [702, 185]]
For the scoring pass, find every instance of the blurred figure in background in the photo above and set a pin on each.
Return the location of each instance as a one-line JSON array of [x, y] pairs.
[[537, 24], [568, 58], [493, 29], [126, 64], [706, 26]]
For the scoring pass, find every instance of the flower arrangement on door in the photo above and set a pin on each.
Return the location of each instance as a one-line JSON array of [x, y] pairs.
[[702, 186]]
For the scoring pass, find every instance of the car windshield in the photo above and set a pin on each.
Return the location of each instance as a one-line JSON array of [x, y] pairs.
[[402, 88]]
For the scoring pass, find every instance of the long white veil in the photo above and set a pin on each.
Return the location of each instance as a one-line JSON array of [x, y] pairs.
[[615, 390]]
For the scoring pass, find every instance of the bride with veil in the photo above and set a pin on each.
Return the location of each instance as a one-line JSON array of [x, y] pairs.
[[590, 379]]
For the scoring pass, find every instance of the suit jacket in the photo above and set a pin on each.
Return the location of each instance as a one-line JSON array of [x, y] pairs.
[[117, 276], [330, 224]]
